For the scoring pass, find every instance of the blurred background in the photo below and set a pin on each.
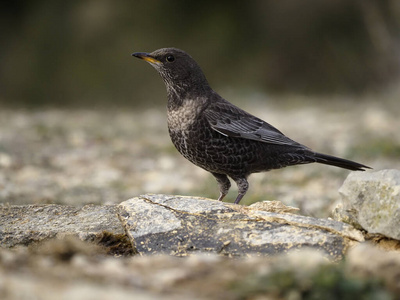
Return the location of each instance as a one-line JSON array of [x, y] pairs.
[[78, 52], [84, 122]]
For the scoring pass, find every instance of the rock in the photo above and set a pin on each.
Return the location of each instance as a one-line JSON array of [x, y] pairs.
[[366, 273], [179, 225], [274, 206], [26, 224], [66, 267], [371, 201]]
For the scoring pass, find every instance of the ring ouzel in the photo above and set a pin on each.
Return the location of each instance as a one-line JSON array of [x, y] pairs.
[[220, 137]]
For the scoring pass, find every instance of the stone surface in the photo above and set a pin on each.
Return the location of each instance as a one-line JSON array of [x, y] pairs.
[[60, 263], [179, 225], [366, 273], [371, 200], [26, 224]]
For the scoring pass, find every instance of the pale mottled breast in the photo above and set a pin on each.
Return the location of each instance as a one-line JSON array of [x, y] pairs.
[[181, 118]]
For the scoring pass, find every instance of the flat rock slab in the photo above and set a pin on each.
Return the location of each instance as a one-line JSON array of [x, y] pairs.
[[179, 225], [26, 224]]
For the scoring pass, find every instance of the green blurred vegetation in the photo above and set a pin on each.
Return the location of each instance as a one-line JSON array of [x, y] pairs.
[[77, 53], [326, 282]]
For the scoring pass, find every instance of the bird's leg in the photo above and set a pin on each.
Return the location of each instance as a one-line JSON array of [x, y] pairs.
[[243, 186], [223, 183]]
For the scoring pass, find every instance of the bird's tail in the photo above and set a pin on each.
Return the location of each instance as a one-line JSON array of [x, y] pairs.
[[339, 162]]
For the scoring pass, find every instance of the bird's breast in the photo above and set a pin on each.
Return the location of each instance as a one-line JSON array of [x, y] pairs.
[[181, 118], [186, 128]]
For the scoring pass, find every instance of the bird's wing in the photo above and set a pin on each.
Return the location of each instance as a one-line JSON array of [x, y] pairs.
[[232, 121]]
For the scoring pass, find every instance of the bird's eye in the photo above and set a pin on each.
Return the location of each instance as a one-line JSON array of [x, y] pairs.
[[170, 58]]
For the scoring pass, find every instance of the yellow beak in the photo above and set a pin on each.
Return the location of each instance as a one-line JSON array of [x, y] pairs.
[[146, 57]]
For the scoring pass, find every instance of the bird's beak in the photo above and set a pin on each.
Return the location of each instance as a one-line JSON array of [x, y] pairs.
[[147, 57]]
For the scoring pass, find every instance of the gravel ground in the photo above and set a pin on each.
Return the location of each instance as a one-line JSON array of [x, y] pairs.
[[103, 156]]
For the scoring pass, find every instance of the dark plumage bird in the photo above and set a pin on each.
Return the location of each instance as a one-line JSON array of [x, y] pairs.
[[219, 137]]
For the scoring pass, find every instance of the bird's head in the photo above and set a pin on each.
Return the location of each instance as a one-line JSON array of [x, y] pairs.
[[180, 72]]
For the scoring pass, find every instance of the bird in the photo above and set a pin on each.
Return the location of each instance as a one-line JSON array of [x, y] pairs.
[[220, 137]]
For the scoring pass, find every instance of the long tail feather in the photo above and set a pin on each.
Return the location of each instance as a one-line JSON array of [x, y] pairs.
[[339, 162]]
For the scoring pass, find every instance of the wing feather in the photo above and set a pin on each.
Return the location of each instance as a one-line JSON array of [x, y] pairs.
[[232, 121]]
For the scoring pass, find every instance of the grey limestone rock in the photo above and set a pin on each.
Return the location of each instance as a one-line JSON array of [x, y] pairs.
[[26, 224], [371, 201], [179, 225]]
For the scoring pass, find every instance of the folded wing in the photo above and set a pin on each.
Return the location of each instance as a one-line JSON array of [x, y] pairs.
[[232, 121]]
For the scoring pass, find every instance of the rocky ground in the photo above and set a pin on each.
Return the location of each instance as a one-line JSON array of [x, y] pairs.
[[103, 156], [71, 269], [81, 156]]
